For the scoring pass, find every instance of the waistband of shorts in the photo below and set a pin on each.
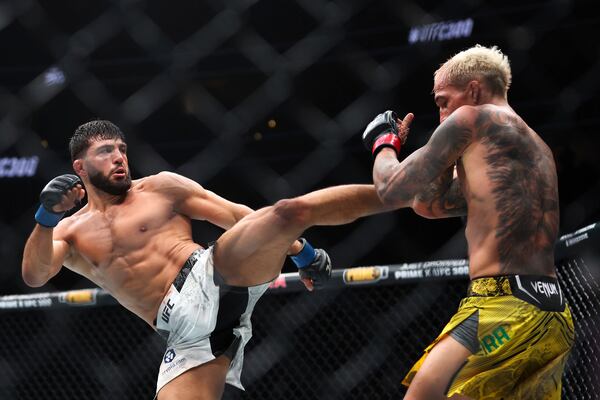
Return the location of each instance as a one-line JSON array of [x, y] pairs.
[[186, 268], [491, 286], [503, 285], [183, 273]]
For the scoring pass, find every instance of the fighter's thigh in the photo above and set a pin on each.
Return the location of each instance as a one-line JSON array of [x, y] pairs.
[[440, 366], [252, 252], [205, 382]]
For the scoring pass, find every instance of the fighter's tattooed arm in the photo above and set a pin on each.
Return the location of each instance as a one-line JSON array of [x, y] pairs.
[[424, 179], [442, 198]]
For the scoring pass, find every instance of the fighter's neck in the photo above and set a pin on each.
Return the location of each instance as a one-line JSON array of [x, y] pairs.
[[99, 200], [499, 101]]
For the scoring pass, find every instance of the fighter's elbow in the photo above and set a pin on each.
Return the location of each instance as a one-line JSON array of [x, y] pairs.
[[431, 210], [424, 210], [31, 277], [391, 198], [32, 281], [384, 195]]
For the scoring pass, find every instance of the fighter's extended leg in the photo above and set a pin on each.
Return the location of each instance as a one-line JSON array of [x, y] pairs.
[[440, 366], [253, 251]]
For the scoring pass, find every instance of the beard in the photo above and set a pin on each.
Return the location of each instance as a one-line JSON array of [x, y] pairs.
[[103, 183]]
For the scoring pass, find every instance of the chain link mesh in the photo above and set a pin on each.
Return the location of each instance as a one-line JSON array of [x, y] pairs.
[[193, 86], [581, 286], [351, 343]]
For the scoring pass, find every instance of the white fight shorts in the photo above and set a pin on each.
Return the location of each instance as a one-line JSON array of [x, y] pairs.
[[203, 318]]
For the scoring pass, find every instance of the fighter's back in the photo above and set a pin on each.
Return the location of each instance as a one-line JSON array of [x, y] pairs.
[[508, 178]]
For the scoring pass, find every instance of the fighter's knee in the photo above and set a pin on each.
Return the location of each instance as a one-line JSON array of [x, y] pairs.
[[293, 211]]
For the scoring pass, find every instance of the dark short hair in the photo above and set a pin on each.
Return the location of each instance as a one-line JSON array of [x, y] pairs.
[[93, 130]]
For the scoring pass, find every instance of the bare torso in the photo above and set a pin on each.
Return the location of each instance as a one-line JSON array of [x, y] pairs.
[[133, 249], [508, 178]]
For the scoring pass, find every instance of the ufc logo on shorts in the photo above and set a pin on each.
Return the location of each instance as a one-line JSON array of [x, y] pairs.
[[166, 312]]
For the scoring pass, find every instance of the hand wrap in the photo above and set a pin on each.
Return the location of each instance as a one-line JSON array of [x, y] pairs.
[[313, 264]]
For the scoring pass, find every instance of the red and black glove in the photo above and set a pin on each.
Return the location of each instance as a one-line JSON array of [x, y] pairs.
[[382, 132]]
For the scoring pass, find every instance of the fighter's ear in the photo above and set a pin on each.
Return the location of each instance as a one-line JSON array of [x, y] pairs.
[[78, 167], [474, 91]]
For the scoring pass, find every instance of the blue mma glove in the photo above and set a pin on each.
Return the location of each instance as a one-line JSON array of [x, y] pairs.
[[52, 195], [313, 264]]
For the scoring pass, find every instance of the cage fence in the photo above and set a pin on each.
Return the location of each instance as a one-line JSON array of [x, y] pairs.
[[355, 339], [193, 87]]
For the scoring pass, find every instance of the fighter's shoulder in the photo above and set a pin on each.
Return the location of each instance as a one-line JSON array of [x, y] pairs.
[[158, 180], [486, 119], [496, 115], [165, 182], [466, 115]]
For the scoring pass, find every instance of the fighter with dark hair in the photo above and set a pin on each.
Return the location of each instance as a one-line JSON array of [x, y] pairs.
[[134, 239]]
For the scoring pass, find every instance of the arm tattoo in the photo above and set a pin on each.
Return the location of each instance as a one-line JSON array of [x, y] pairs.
[[444, 197], [424, 174]]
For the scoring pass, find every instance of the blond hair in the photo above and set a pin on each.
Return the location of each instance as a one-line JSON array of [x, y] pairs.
[[486, 63]]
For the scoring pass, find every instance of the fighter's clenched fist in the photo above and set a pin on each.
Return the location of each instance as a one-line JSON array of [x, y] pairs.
[[386, 130], [59, 195], [314, 265]]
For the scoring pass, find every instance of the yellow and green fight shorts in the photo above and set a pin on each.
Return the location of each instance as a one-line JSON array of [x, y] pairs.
[[522, 332]]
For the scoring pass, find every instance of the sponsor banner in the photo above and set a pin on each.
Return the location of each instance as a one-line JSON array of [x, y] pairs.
[[577, 236], [79, 297], [432, 269], [15, 302], [574, 240], [85, 297], [577, 232], [575, 244], [362, 275]]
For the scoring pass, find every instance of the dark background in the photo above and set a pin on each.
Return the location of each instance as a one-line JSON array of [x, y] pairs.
[[194, 84]]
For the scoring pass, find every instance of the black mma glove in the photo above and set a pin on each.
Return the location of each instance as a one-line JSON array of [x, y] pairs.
[[382, 132], [313, 264], [52, 195]]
